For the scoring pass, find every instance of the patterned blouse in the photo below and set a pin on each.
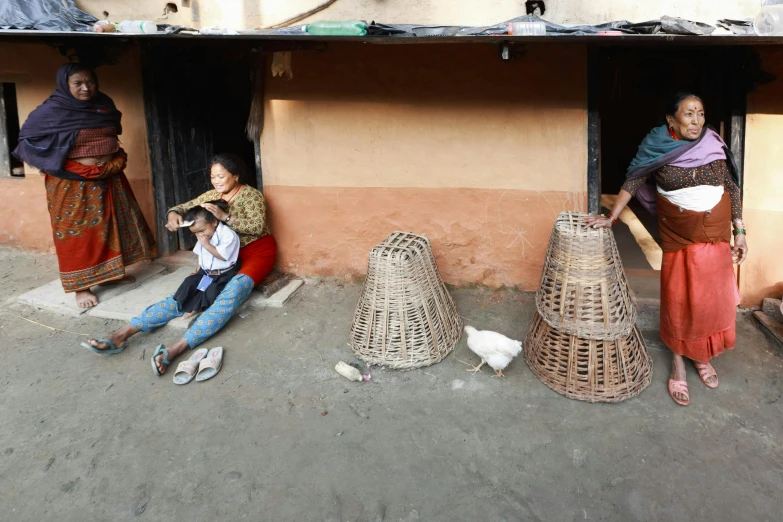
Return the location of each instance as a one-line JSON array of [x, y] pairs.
[[674, 178], [248, 212], [91, 143]]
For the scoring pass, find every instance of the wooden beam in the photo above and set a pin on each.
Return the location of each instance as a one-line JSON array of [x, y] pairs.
[[593, 131]]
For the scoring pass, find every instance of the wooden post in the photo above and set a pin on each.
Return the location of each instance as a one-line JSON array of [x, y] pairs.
[[5, 152], [593, 131]]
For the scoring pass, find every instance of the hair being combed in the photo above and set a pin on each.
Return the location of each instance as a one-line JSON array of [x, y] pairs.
[[200, 212]]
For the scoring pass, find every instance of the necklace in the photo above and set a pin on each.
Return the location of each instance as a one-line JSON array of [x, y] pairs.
[[233, 195]]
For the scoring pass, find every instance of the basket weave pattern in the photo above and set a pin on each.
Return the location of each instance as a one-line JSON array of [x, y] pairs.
[[584, 342], [583, 288], [405, 317], [588, 369]]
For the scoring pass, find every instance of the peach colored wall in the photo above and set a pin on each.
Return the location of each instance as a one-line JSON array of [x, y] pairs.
[[495, 237], [25, 223], [478, 153], [762, 274]]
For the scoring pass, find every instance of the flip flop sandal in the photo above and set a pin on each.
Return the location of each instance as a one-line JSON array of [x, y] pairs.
[[111, 351], [186, 370], [706, 371], [682, 388], [209, 367], [160, 350]]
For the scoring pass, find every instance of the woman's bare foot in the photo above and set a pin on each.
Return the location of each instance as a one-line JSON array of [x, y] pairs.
[[174, 351], [86, 299], [118, 338], [127, 280], [188, 315]]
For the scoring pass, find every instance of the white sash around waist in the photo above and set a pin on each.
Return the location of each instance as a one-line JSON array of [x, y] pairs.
[[699, 199]]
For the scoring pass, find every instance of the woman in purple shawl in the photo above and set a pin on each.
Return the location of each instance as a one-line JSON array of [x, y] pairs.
[[97, 224], [682, 172]]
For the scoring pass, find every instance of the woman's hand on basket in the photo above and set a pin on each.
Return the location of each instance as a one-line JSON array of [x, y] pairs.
[[173, 222], [216, 211], [598, 222], [740, 249]]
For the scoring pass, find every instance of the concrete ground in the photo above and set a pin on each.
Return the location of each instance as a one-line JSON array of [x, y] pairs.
[[277, 435]]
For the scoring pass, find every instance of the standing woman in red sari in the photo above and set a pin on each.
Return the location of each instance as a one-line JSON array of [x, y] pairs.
[[684, 172], [97, 224]]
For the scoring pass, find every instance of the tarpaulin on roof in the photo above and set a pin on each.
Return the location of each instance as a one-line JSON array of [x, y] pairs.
[[44, 15], [666, 24]]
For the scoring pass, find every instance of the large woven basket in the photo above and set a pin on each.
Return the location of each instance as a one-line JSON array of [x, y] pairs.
[[583, 289], [405, 317], [588, 369]]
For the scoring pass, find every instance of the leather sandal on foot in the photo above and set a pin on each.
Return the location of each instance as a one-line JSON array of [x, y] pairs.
[[706, 371], [110, 351], [680, 387], [160, 350], [186, 370]]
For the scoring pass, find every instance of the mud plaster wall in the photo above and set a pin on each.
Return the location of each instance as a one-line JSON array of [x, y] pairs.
[[25, 219], [477, 153], [762, 274]]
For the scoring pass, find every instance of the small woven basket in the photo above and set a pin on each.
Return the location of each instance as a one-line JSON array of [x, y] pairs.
[[583, 288], [405, 317], [588, 369]]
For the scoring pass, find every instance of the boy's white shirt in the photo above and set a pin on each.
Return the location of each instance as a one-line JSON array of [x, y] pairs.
[[226, 242]]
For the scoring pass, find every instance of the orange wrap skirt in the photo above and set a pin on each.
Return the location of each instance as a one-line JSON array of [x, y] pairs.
[[699, 301]]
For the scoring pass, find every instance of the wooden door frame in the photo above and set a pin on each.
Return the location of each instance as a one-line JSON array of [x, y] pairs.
[[159, 142]]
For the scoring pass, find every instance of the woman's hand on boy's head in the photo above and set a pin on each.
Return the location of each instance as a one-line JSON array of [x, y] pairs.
[[215, 211]]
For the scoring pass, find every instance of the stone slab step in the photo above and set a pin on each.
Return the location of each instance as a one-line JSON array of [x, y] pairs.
[[276, 300], [139, 298], [52, 297]]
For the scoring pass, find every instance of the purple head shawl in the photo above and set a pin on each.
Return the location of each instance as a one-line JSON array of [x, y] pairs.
[[49, 132]]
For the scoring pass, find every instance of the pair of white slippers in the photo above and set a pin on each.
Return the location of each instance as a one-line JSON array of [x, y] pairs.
[[202, 365]]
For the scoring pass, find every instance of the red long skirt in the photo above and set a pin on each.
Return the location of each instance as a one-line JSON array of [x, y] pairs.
[[699, 301], [258, 258], [97, 224]]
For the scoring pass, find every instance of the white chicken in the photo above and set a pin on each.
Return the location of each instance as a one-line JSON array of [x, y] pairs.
[[495, 349]]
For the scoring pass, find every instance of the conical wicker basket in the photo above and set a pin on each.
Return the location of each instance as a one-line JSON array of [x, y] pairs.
[[588, 369], [583, 289], [405, 317]]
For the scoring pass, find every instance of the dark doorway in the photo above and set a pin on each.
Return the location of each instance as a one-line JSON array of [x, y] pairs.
[[635, 84], [628, 91], [198, 101]]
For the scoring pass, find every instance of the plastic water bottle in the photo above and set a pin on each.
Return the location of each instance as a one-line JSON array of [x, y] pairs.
[[527, 29], [338, 28], [349, 372], [769, 22], [137, 26]]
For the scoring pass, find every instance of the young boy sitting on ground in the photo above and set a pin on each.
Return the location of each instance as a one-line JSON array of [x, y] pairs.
[[217, 250]]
